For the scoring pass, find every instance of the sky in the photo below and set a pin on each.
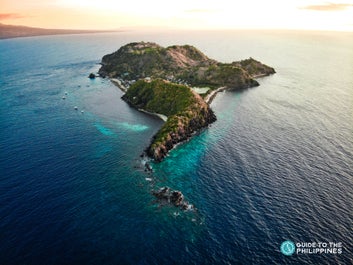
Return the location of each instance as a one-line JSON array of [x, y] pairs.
[[334, 15]]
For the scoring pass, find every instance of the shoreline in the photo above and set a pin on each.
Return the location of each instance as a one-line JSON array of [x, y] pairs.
[[209, 98], [118, 83], [213, 94], [161, 116], [259, 76], [123, 88]]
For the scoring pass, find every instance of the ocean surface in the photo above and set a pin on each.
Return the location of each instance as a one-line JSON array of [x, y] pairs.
[[277, 165]]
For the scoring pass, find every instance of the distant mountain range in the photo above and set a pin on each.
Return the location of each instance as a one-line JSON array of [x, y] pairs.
[[10, 31]]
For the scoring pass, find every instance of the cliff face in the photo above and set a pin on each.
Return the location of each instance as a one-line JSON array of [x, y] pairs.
[[180, 63], [187, 112]]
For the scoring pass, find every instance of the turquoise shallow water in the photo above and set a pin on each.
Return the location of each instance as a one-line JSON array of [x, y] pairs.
[[275, 166]]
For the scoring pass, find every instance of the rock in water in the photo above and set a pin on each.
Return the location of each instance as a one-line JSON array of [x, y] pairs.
[[167, 196], [92, 76], [148, 167]]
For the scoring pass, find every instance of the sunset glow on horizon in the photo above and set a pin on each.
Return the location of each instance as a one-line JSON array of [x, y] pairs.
[[183, 14]]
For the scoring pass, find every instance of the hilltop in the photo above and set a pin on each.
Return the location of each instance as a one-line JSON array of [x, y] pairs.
[[184, 64], [160, 80]]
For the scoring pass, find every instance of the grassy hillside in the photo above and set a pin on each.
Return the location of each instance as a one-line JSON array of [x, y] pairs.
[[160, 96], [186, 111]]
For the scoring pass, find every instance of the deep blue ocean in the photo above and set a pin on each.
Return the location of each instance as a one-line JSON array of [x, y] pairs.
[[277, 164]]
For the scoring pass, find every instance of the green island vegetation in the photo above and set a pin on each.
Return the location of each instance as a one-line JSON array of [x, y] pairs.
[[160, 80], [160, 96], [187, 112]]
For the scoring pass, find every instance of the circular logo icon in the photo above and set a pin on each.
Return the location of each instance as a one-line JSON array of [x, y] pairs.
[[287, 248]]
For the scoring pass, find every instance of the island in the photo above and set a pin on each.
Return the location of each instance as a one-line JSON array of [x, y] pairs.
[[176, 82]]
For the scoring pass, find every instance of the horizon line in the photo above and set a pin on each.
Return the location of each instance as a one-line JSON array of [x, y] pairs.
[[157, 28]]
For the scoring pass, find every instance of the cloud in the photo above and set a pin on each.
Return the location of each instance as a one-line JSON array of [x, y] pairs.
[[328, 7], [5, 16]]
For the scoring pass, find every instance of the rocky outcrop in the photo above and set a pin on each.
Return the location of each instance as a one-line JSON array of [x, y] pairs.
[[167, 196], [185, 127]]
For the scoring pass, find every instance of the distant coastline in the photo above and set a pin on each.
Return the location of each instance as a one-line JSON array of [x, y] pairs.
[[11, 31]]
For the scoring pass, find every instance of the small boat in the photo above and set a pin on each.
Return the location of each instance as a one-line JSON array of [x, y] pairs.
[[82, 111], [65, 92], [76, 108], [63, 97]]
